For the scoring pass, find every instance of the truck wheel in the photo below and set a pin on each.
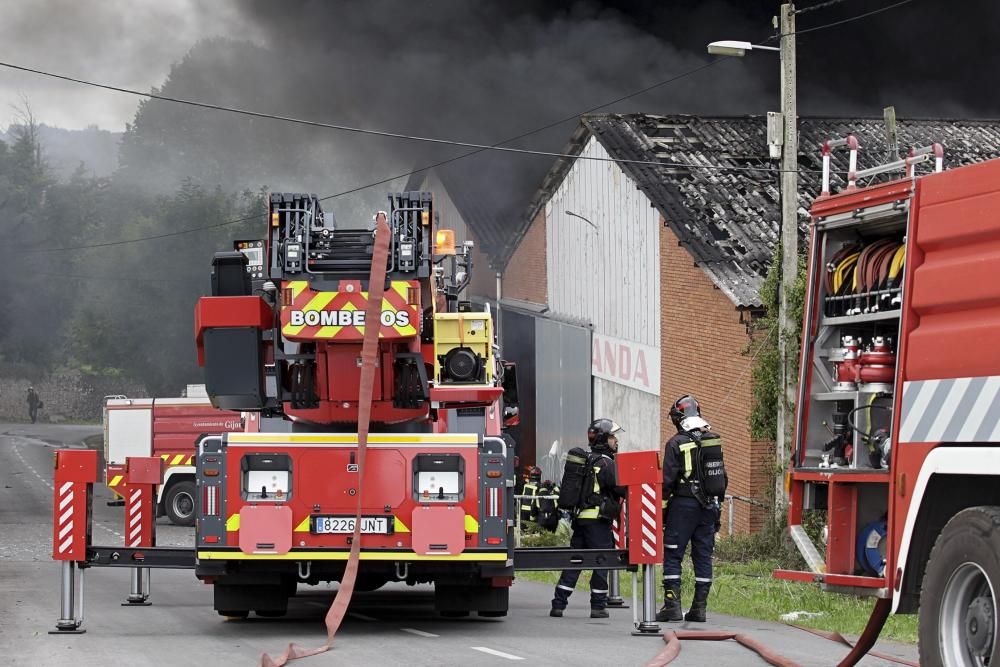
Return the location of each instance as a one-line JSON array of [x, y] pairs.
[[179, 503], [958, 616]]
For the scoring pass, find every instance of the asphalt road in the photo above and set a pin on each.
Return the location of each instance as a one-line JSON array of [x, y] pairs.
[[396, 624]]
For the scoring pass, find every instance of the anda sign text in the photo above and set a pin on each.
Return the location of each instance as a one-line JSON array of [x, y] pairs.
[[624, 362]]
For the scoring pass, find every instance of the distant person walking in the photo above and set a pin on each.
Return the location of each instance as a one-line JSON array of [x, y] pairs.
[[33, 404]]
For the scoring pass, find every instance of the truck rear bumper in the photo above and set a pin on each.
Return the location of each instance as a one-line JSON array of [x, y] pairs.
[[341, 554], [838, 583]]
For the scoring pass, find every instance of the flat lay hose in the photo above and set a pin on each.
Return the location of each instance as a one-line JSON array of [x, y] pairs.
[[369, 350], [858, 651]]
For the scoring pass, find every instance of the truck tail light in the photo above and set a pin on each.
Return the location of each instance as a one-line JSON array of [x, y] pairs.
[[494, 502], [210, 501], [494, 540], [493, 473]]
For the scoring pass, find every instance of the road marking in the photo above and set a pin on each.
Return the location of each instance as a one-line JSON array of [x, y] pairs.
[[499, 654], [419, 633], [34, 472], [361, 617], [47, 483]]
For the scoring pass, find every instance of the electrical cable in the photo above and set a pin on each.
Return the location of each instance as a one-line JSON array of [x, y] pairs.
[[818, 5], [382, 133], [478, 147], [852, 18], [401, 175]]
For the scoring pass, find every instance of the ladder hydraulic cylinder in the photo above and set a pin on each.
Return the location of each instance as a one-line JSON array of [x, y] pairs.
[[614, 576]]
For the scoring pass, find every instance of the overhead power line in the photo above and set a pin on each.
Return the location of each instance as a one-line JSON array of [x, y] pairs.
[[873, 12], [818, 5], [478, 147], [377, 133]]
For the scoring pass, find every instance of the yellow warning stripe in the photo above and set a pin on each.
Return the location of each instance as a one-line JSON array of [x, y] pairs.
[[233, 524], [115, 481], [471, 525], [177, 459], [297, 287], [318, 302], [343, 555]]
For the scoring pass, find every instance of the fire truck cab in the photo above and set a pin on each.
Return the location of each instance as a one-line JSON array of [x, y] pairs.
[[897, 438]]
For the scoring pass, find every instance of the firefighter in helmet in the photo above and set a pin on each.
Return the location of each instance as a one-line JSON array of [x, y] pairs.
[[592, 522], [694, 485], [529, 491]]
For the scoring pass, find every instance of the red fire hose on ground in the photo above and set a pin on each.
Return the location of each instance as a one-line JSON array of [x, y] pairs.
[[369, 349], [864, 644]]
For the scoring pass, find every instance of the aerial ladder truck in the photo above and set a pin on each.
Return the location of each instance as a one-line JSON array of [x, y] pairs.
[[280, 338]]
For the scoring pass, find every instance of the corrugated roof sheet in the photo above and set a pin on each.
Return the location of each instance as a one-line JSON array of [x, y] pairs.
[[729, 220]]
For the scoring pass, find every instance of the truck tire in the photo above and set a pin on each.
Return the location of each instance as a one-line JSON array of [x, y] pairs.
[[267, 601], [958, 618], [459, 601], [179, 503]]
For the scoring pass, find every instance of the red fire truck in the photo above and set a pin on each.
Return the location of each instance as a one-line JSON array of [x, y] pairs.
[[897, 439], [282, 335], [167, 428]]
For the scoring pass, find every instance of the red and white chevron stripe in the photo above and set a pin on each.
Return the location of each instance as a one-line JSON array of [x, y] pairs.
[[649, 514], [65, 521], [134, 528]]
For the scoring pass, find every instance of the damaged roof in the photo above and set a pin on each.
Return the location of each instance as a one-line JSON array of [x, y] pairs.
[[729, 220]]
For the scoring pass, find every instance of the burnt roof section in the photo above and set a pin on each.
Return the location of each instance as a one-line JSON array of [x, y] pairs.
[[729, 220]]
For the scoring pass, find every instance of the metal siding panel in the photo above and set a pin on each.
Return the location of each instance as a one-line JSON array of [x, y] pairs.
[[608, 276], [563, 379]]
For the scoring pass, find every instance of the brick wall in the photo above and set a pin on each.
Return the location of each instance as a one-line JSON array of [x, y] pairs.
[[525, 277], [704, 353]]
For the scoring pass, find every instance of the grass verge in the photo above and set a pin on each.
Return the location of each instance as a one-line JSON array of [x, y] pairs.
[[744, 587]]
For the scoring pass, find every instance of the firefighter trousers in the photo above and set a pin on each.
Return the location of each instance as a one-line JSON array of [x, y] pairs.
[[687, 521], [587, 534]]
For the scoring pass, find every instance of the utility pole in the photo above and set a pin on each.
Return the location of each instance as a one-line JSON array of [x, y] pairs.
[[787, 328]]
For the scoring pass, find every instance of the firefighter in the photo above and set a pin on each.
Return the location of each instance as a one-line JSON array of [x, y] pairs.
[[33, 404], [592, 523], [694, 484], [529, 504]]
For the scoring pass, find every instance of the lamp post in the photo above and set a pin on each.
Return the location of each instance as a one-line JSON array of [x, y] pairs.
[[789, 221]]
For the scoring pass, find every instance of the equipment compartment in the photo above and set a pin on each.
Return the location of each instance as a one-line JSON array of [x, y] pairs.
[[853, 350]]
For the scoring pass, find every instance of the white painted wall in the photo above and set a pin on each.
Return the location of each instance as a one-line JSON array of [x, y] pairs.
[[609, 276]]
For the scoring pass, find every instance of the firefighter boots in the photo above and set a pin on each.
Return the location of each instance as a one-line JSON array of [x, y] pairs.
[[599, 613], [671, 610], [699, 605], [555, 613]]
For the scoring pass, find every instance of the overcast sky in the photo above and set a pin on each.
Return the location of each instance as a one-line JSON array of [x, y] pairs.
[[129, 43]]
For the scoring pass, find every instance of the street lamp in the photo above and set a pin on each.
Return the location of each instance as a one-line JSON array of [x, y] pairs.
[[789, 216], [732, 47]]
